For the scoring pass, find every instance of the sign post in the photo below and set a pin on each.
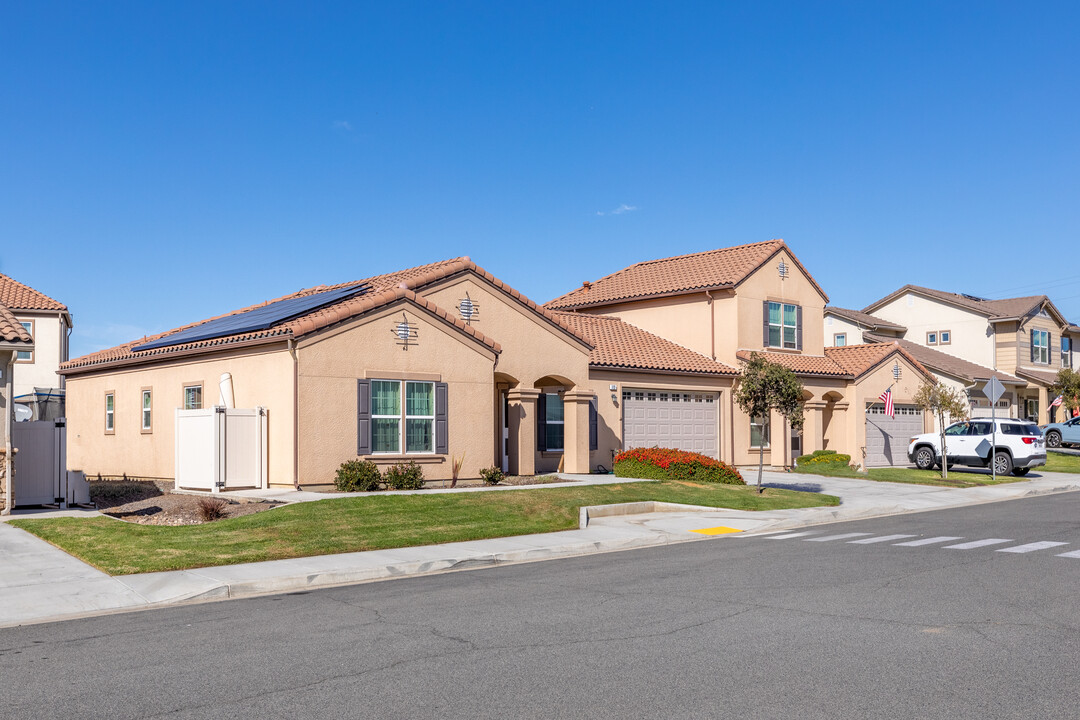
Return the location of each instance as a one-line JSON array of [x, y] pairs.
[[993, 390]]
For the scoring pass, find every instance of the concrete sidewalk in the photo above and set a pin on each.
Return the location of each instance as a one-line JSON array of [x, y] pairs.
[[40, 583]]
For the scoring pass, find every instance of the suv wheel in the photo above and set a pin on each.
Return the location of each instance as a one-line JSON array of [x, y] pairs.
[[1002, 463], [924, 458], [1053, 439]]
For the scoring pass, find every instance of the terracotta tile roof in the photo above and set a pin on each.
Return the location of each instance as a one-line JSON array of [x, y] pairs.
[[859, 359], [993, 309], [863, 319], [944, 363], [800, 364], [619, 344], [1042, 377], [11, 330], [17, 296], [384, 289], [723, 268]]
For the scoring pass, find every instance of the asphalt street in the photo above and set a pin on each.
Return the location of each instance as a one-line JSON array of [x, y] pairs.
[[912, 616]]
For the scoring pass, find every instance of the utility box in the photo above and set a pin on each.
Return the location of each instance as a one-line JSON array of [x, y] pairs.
[[221, 449]]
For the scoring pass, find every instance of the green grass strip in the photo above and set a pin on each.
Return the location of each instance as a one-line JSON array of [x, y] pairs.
[[374, 523]]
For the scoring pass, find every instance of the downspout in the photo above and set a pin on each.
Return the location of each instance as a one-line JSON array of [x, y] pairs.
[[8, 414], [296, 414], [712, 325]]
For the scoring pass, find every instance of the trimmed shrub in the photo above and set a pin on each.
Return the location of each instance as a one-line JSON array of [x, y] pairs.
[[829, 457], [823, 452], [668, 464], [492, 475], [211, 508], [357, 476], [404, 476]]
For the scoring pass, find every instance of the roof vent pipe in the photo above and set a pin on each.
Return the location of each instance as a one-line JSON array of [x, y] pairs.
[[225, 391]]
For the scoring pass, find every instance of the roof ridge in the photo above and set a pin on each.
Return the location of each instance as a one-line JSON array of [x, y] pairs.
[[707, 252], [26, 288]]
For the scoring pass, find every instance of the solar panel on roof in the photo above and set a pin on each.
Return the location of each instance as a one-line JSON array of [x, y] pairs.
[[257, 319]]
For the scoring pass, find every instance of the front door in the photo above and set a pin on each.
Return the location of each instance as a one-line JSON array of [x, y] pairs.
[[505, 430]]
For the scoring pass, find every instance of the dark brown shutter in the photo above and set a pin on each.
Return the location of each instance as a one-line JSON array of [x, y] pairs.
[[363, 417], [541, 422], [765, 323], [442, 427], [1032, 346], [798, 327], [594, 430], [1049, 348]]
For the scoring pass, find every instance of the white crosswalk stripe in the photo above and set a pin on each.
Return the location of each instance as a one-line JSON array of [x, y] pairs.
[[1032, 547], [792, 535], [882, 538], [977, 544], [829, 538], [928, 541], [1072, 554]]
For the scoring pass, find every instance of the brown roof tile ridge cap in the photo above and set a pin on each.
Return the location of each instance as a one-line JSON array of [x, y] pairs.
[[32, 290], [457, 322], [732, 248]]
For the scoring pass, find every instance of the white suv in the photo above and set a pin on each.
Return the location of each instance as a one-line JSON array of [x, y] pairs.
[[1017, 446]]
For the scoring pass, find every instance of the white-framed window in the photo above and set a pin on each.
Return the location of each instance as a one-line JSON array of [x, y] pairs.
[[26, 355], [783, 325], [931, 338], [839, 340], [1066, 352], [759, 432], [402, 419], [193, 397], [147, 412], [1040, 347], [554, 426], [110, 412], [945, 338]]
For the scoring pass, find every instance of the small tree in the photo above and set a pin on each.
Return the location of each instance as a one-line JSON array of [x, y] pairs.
[[766, 386], [1068, 386], [941, 400]]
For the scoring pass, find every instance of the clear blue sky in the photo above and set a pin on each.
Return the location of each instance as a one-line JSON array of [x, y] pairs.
[[161, 163]]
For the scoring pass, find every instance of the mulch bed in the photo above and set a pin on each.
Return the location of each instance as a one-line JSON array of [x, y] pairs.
[[154, 503]]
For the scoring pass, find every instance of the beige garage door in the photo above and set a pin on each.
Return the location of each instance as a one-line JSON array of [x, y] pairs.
[[660, 418], [887, 437]]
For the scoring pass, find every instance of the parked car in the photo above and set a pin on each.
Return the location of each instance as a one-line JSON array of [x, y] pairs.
[[1017, 446], [1062, 433]]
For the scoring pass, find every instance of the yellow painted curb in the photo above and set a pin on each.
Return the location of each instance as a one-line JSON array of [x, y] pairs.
[[717, 531]]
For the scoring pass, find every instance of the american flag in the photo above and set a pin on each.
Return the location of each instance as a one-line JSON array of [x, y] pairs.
[[1057, 402], [886, 397]]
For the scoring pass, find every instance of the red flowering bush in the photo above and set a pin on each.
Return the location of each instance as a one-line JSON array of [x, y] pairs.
[[668, 464]]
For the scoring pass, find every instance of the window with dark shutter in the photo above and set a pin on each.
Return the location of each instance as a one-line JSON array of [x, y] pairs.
[[798, 329], [363, 417], [541, 422], [765, 323], [442, 426], [594, 426]]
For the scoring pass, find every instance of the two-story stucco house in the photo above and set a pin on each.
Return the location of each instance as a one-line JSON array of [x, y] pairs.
[[729, 303], [37, 384], [14, 340], [1024, 341]]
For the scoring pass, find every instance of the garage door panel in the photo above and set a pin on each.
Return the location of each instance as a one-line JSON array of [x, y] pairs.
[[684, 421], [887, 437]]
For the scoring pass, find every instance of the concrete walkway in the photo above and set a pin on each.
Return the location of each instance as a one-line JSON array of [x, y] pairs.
[[40, 583]]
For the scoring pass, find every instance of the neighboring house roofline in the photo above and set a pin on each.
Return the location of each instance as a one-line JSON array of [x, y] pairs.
[[1004, 310], [863, 320], [864, 365], [12, 332], [1039, 377], [944, 363]]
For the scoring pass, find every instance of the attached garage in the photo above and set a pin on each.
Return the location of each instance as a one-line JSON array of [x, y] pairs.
[[887, 437], [661, 418]]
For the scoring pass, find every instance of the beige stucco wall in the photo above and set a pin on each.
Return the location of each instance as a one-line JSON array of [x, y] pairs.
[[682, 319], [331, 362], [971, 339], [764, 284], [50, 349], [261, 377], [610, 411], [835, 325]]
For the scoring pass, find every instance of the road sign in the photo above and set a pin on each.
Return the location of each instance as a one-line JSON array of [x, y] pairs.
[[993, 390]]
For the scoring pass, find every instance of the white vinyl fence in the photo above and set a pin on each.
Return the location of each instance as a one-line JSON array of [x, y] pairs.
[[41, 474], [221, 449]]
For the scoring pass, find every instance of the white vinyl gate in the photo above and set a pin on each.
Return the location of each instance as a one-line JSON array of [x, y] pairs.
[[221, 449], [887, 437], [40, 462], [661, 418]]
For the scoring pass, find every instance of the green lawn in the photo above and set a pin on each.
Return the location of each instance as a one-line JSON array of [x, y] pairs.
[[373, 523], [1056, 462]]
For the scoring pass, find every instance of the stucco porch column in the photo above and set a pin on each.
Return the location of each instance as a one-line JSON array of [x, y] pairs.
[[813, 433], [576, 430], [522, 440], [779, 440]]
